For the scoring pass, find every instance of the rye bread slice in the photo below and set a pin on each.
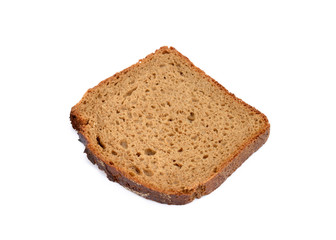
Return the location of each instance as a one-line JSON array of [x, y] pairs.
[[165, 130]]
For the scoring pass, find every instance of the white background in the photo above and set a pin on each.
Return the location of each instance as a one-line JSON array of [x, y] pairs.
[[279, 56]]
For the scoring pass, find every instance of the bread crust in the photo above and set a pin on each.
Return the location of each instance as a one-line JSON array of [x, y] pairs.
[[224, 171]]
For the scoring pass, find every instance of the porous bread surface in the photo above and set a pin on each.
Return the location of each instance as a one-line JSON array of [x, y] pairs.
[[164, 124]]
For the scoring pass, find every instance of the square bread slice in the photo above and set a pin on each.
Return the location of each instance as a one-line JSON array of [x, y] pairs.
[[165, 130]]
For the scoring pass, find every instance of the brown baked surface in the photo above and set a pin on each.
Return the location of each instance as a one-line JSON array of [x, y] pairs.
[[165, 130]]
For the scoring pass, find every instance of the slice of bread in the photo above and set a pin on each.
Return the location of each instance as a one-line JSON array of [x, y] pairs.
[[165, 130]]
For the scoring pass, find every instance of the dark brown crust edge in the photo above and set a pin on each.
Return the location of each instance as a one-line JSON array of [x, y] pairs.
[[177, 199]]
